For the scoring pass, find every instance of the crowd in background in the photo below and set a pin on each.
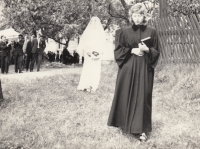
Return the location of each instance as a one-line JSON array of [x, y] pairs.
[[24, 52], [28, 50], [64, 57]]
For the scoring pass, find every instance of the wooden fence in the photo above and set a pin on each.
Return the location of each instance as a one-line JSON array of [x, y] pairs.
[[179, 38]]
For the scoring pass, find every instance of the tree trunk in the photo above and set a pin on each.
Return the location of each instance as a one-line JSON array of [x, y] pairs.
[[67, 43], [34, 31], [124, 4], [108, 23]]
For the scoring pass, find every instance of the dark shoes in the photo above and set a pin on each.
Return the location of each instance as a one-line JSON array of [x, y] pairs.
[[19, 72], [4, 73]]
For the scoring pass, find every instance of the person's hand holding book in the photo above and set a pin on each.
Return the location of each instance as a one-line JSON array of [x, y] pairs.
[[137, 52], [142, 46]]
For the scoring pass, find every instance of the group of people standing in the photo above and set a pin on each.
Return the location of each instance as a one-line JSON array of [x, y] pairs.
[[52, 56], [68, 58], [64, 57], [30, 47], [131, 109]]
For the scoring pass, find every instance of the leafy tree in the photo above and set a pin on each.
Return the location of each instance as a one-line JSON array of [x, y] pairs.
[[58, 19], [183, 7], [119, 10], [67, 19]]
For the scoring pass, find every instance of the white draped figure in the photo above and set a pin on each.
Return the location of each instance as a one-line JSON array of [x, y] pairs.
[[91, 46]]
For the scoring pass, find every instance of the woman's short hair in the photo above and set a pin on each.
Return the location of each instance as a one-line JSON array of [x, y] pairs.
[[139, 8]]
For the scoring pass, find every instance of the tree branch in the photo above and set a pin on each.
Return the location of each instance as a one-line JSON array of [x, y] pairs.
[[117, 15], [57, 40], [56, 25], [108, 23], [125, 6]]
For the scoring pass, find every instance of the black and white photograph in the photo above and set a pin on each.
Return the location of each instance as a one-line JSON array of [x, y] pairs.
[[99, 74]]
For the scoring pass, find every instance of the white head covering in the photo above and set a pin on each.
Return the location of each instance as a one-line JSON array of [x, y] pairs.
[[93, 37]]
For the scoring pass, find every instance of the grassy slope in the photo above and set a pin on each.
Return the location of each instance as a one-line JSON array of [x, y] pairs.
[[51, 113]]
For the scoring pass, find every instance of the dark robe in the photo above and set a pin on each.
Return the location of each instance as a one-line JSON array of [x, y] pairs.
[[66, 56], [76, 57], [132, 104], [57, 57]]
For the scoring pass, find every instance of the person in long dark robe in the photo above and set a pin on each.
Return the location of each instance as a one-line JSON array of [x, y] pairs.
[[132, 104], [66, 55], [76, 57]]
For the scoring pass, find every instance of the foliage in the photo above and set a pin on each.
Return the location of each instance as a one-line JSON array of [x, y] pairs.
[[67, 19], [183, 7], [64, 19], [119, 10]]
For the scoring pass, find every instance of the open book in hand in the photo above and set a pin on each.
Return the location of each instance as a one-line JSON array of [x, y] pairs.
[[146, 41]]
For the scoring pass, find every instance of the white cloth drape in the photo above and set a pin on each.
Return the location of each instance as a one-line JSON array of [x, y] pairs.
[[92, 39]]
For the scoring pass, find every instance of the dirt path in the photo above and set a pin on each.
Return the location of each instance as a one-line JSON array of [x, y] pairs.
[[43, 73]]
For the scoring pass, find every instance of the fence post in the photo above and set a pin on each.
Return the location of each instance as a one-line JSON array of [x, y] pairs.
[[163, 8]]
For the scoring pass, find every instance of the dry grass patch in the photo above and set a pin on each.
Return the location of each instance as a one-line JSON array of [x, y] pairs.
[[50, 113]]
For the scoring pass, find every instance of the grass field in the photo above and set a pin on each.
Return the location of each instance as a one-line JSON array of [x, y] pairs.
[[49, 113]]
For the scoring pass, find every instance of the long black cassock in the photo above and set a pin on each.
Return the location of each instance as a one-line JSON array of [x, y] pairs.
[[132, 104]]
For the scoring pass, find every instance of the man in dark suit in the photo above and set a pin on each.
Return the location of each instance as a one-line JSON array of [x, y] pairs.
[[27, 51], [76, 57], [12, 48], [18, 54], [5, 51], [61, 57], [41, 47], [34, 45], [54, 56], [57, 56]]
